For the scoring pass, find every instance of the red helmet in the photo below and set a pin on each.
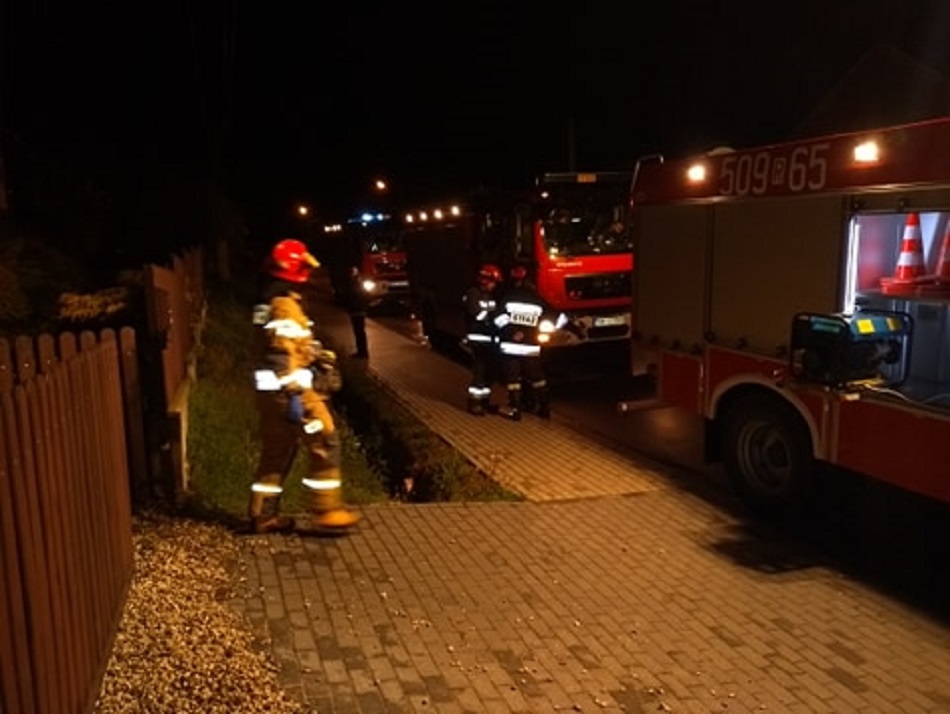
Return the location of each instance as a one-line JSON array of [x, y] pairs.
[[291, 261], [489, 271], [518, 273]]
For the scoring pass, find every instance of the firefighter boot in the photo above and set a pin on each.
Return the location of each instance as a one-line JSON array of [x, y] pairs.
[[476, 406], [327, 513], [264, 511], [513, 410], [530, 401]]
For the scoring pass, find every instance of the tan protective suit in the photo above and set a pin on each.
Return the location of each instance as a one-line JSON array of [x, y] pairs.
[[289, 355]]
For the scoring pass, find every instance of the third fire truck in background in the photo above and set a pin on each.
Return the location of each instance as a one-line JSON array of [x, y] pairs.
[[373, 243], [569, 231], [797, 297]]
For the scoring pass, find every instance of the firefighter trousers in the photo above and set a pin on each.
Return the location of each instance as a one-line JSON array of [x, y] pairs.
[[483, 363], [280, 442], [520, 371]]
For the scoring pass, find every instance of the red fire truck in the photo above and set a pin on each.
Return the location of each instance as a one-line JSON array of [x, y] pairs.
[[569, 231], [373, 243], [797, 297]]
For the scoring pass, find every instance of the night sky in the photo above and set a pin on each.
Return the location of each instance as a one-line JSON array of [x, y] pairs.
[[311, 103]]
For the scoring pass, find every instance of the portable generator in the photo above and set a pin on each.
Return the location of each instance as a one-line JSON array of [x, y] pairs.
[[869, 346]]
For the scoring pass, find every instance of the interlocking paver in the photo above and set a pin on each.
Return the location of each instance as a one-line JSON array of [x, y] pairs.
[[606, 589]]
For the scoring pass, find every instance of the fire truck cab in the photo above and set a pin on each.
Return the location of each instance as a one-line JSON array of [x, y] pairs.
[[569, 231], [797, 297], [373, 243]]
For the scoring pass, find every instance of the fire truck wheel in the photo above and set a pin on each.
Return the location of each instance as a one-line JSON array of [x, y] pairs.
[[438, 340], [767, 453], [427, 323]]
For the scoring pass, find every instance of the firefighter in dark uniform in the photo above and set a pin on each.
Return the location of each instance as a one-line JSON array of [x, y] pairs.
[[357, 305], [480, 336], [293, 378], [521, 315]]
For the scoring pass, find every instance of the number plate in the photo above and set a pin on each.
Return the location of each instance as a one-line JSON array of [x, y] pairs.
[[524, 318], [612, 320]]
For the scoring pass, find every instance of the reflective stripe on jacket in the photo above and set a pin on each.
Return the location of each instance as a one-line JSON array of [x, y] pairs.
[[480, 309], [287, 348], [517, 321]]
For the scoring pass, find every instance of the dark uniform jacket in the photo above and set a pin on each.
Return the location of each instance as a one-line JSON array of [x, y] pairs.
[[520, 311], [480, 308]]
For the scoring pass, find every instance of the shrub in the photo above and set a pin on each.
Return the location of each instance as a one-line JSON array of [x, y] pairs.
[[417, 463]]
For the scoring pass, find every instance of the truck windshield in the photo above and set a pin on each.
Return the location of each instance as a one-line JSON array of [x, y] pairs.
[[382, 242], [567, 234]]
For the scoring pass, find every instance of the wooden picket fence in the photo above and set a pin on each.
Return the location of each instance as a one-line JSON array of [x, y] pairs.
[[65, 515], [77, 418], [176, 307]]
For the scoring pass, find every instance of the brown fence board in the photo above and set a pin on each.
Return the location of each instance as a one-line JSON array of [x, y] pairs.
[[62, 573], [25, 359], [163, 285], [119, 487], [80, 517], [83, 547], [113, 460], [92, 492], [39, 604], [50, 496], [46, 477], [133, 405], [10, 673], [25, 516], [59, 535], [75, 631], [17, 690]]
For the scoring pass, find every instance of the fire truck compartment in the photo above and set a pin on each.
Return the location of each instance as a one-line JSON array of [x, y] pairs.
[[874, 250]]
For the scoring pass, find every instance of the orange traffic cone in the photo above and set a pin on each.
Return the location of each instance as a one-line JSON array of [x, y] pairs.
[[939, 283], [910, 263]]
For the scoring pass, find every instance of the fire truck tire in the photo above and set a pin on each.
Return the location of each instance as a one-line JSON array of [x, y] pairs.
[[767, 453], [428, 326]]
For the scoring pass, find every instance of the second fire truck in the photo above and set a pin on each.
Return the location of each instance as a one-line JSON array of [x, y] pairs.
[[797, 298], [373, 243], [569, 231]]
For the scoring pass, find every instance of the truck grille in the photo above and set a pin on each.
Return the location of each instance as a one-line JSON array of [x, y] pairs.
[[608, 333], [389, 267], [598, 286]]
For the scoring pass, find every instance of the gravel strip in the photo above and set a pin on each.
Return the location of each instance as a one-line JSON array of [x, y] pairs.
[[180, 647]]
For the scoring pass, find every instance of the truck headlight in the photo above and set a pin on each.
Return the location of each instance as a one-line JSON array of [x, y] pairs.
[[546, 327], [369, 285]]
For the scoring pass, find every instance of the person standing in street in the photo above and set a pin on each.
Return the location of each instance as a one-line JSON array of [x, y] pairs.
[[356, 301], [480, 336], [521, 314], [294, 377]]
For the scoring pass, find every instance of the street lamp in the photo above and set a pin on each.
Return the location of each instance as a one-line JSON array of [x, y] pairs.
[[307, 219]]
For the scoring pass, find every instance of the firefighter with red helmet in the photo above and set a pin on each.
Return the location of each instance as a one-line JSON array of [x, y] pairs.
[[480, 336], [523, 322], [291, 381]]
